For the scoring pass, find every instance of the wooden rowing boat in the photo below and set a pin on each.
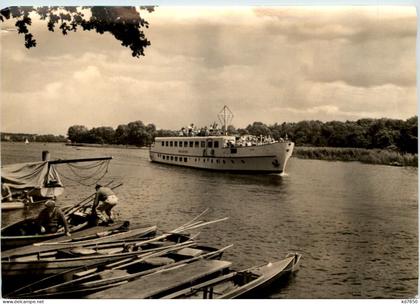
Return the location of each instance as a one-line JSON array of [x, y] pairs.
[[240, 284], [90, 236], [23, 232], [52, 261], [35, 265], [160, 283], [86, 280], [17, 204], [14, 205]]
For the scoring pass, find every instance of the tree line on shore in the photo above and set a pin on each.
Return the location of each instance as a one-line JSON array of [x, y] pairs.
[[393, 134], [17, 137]]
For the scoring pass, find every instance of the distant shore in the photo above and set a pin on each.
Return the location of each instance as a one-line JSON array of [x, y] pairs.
[[368, 156], [105, 146]]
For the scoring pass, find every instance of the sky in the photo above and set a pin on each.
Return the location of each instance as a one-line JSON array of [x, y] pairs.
[[270, 64]]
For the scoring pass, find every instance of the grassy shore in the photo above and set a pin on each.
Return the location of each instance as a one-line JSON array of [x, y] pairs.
[[369, 156]]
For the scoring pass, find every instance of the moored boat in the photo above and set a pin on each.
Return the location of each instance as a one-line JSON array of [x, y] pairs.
[[237, 284], [90, 236], [160, 283], [65, 257], [221, 152], [40, 180], [51, 262], [25, 232], [86, 280]]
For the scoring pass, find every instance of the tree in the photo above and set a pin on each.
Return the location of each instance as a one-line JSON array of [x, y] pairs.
[[124, 23], [121, 135], [258, 128], [77, 133], [102, 135]]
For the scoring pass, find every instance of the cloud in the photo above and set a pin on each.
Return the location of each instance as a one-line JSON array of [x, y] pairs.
[[270, 65]]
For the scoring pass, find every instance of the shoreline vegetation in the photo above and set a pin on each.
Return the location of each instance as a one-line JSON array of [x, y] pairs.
[[374, 141], [367, 156]]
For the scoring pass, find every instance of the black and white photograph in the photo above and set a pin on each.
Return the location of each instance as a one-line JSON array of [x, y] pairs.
[[209, 152]]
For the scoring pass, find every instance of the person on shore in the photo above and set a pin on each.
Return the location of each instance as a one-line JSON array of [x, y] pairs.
[[6, 193], [50, 219], [105, 200]]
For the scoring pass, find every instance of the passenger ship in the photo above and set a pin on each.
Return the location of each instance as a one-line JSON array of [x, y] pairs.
[[223, 153]]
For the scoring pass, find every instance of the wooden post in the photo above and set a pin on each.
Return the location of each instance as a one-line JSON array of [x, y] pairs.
[[45, 155]]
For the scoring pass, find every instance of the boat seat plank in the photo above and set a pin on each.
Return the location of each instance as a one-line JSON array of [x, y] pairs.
[[158, 282], [191, 252]]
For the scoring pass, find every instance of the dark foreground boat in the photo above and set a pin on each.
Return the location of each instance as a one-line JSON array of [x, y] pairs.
[[23, 232], [90, 236], [237, 284], [52, 261], [19, 204], [34, 265], [86, 280], [160, 283]]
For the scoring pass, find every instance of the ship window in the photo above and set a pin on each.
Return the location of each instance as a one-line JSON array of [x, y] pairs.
[[176, 158], [232, 161], [171, 143], [185, 144], [191, 144], [209, 144], [211, 161], [163, 143], [197, 144], [204, 160], [166, 143], [163, 156], [180, 144], [185, 159], [216, 144], [175, 143], [242, 161], [172, 158], [203, 144], [224, 161]]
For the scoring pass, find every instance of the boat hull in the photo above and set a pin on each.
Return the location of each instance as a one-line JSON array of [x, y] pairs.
[[267, 158]]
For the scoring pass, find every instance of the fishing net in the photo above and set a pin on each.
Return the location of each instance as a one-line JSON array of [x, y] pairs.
[[86, 174]]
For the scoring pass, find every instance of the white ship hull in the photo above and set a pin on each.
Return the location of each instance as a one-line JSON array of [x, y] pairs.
[[264, 158]]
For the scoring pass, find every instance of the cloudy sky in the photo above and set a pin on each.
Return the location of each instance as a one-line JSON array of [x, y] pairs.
[[271, 64]]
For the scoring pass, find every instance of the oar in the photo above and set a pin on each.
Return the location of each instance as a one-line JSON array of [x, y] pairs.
[[66, 211], [85, 202], [129, 277], [155, 254], [71, 282], [197, 217], [68, 208], [204, 224]]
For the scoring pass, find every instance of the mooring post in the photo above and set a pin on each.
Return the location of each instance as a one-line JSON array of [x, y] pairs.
[[45, 156]]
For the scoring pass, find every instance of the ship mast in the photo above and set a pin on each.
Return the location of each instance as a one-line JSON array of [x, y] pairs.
[[225, 117]]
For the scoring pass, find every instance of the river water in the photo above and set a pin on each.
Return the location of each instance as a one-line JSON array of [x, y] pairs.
[[355, 224]]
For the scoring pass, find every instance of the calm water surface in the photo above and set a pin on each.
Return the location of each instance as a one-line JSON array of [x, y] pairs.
[[355, 224]]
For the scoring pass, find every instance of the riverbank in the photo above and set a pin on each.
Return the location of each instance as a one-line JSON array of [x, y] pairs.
[[368, 156], [106, 146]]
